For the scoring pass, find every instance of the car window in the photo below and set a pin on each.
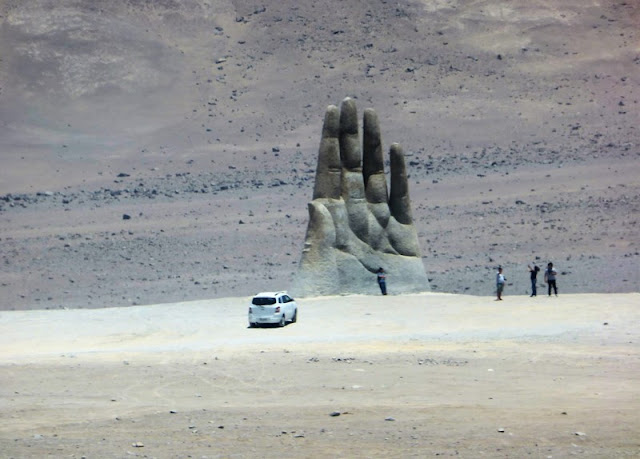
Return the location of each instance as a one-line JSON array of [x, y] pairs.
[[287, 299], [263, 301]]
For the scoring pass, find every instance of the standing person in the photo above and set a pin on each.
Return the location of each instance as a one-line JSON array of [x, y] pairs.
[[534, 274], [550, 278], [382, 282], [500, 280]]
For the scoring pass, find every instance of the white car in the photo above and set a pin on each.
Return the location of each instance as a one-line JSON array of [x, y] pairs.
[[272, 308]]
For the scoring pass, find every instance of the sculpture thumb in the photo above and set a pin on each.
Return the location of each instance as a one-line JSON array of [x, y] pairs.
[[318, 272]]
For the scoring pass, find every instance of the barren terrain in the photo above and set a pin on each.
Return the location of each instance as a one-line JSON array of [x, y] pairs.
[[357, 376], [157, 158], [163, 151]]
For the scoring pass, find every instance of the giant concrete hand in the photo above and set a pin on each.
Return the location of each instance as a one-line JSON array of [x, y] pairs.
[[355, 226]]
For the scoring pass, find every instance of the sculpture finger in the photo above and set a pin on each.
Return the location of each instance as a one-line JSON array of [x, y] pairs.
[[328, 170], [350, 153], [352, 182], [399, 202], [372, 160], [349, 140]]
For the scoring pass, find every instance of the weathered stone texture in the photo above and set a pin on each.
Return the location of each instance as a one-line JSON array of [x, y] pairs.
[[355, 225]]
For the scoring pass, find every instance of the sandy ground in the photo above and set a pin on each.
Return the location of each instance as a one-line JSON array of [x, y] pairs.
[[405, 376], [165, 152]]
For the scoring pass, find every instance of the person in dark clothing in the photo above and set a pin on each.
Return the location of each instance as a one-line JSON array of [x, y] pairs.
[[550, 278], [500, 281], [382, 282], [534, 270]]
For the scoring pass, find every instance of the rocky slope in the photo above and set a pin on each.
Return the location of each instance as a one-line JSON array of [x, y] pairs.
[[201, 121]]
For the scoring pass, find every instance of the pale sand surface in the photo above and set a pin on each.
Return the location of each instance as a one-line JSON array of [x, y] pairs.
[[412, 376], [520, 124]]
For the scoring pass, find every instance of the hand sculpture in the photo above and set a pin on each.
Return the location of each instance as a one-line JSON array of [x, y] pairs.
[[355, 227]]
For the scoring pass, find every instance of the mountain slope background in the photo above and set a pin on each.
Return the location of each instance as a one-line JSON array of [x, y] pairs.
[[200, 121]]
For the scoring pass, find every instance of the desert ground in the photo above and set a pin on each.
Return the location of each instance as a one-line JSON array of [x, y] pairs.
[[357, 376], [156, 162], [200, 122]]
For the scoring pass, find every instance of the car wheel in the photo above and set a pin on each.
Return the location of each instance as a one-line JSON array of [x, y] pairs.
[[252, 325], [294, 319], [282, 322]]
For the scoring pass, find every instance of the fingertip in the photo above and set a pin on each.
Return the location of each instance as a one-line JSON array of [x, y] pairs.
[[349, 140], [348, 116], [396, 150], [372, 144], [398, 169], [399, 201], [331, 125], [371, 132], [371, 121]]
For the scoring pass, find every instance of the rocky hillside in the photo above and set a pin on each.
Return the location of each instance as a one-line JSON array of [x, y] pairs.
[[200, 120]]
